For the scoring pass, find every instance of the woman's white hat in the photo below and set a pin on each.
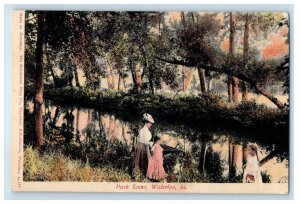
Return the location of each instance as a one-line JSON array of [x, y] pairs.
[[147, 117]]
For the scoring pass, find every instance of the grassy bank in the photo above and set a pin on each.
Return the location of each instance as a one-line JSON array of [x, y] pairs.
[[57, 167]]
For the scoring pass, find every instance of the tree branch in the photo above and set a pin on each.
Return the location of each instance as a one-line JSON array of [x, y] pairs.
[[224, 70]]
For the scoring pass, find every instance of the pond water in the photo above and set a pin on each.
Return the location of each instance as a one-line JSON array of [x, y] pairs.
[[109, 139]]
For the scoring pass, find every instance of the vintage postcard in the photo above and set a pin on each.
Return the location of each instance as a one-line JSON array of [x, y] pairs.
[[164, 102]]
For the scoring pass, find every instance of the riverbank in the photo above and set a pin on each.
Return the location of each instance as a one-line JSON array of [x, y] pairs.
[[56, 166], [209, 111]]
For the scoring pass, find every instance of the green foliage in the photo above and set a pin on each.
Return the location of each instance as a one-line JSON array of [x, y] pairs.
[[206, 109]]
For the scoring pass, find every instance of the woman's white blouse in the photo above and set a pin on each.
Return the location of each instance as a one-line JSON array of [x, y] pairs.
[[145, 136]]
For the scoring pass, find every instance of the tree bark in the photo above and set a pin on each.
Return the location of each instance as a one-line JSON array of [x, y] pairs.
[[75, 64], [268, 95], [133, 73], [138, 76], [230, 159], [55, 78], [208, 81], [268, 158], [112, 78], [76, 76], [119, 82], [202, 156], [39, 86], [245, 85], [233, 81], [151, 80], [235, 89], [202, 80], [229, 88], [187, 77], [183, 79], [161, 83]]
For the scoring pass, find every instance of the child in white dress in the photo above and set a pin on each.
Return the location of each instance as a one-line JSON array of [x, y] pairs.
[[252, 172]]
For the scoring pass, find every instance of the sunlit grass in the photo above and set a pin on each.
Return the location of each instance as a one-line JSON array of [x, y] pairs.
[[57, 167]]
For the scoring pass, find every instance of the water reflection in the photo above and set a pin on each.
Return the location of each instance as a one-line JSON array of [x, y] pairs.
[[103, 139]]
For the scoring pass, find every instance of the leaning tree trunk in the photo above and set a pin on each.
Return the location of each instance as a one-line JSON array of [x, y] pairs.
[[39, 87], [268, 157], [233, 82], [238, 74], [245, 85], [268, 95]]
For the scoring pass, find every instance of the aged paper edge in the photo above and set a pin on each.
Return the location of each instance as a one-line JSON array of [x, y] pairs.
[[17, 183], [17, 98]]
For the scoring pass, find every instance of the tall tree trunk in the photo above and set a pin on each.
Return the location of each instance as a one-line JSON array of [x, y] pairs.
[[161, 83], [230, 153], [133, 73], [55, 78], [108, 77], [124, 83], [235, 89], [188, 78], [77, 119], [208, 81], [138, 76], [202, 80], [75, 64], [233, 81], [201, 166], [183, 79], [233, 159], [151, 79], [119, 82], [99, 81], [112, 79], [39, 86], [245, 85], [76, 76], [229, 88], [245, 153]]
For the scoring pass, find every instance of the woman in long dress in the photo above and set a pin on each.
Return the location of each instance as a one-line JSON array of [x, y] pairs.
[[252, 172], [156, 169], [142, 151]]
